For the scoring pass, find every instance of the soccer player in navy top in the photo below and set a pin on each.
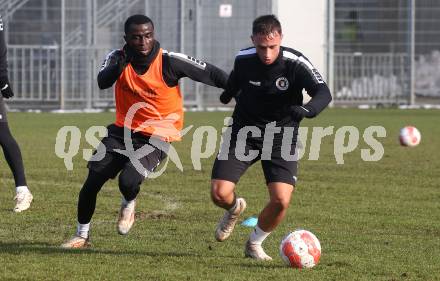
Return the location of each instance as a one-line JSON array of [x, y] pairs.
[[267, 83], [11, 150]]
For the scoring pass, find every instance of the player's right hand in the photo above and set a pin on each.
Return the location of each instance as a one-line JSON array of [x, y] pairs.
[[120, 58], [6, 89], [116, 57], [129, 53]]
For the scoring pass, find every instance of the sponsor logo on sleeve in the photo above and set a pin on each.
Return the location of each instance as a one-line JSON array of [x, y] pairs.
[[317, 75]]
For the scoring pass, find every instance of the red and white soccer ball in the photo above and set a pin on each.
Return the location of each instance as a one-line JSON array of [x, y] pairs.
[[409, 136], [300, 249]]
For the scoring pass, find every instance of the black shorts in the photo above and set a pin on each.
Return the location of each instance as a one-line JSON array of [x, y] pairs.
[[277, 167], [111, 162]]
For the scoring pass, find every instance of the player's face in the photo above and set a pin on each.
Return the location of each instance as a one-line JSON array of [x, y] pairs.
[[267, 46], [140, 38]]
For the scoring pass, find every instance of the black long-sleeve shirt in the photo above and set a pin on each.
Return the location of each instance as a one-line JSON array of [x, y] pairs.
[[3, 50], [174, 67], [265, 93]]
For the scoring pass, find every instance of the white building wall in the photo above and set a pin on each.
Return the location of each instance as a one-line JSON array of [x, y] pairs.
[[304, 27]]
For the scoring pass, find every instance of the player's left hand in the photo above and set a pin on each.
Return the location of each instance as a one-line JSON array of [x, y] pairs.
[[298, 112], [6, 89], [225, 97]]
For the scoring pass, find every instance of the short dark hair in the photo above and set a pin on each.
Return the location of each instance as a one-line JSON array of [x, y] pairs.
[[266, 25], [136, 19]]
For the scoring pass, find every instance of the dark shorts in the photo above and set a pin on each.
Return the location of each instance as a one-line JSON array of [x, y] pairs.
[[113, 162], [277, 166]]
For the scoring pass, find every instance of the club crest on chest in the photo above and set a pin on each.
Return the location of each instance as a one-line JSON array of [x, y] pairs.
[[282, 83]]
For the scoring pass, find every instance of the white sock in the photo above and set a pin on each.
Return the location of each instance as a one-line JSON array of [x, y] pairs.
[[83, 230], [258, 236], [22, 188], [232, 209], [128, 204]]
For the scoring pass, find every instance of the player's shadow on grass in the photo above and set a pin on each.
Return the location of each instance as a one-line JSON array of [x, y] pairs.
[[47, 248], [44, 248], [247, 262]]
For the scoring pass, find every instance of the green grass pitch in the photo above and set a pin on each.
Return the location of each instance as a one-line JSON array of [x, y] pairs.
[[375, 220]]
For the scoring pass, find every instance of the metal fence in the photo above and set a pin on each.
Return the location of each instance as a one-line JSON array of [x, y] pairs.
[[386, 52], [35, 72], [57, 46], [376, 78], [383, 52]]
